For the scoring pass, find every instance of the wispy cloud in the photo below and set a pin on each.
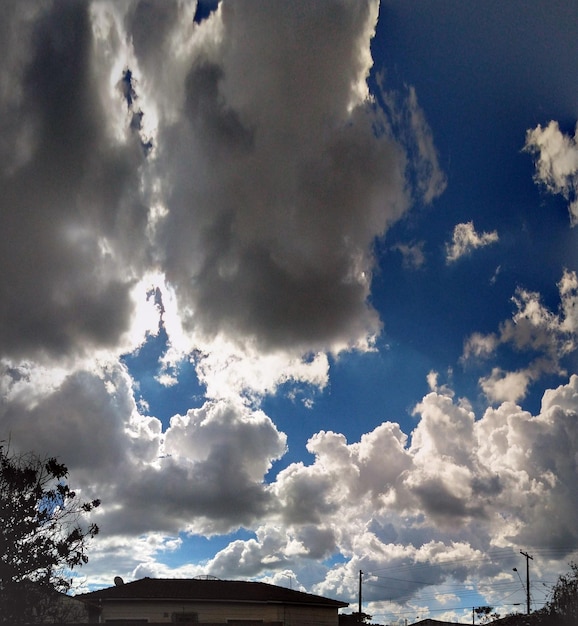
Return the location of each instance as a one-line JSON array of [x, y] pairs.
[[412, 254]]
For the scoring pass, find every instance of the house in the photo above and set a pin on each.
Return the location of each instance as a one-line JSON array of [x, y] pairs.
[[209, 601]]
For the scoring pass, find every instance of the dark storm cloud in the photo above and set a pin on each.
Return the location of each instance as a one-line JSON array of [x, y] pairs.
[[277, 183], [251, 159], [69, 195], [267, 186]]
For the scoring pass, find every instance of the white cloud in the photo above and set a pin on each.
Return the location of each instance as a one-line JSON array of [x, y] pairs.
[[531, 456], [433, 384], [249, 436], [494, 277], [88, 419], [212, 461], [210, 478], [568, 287], [490, 481], [228, 371], [556, 162], [259, 232], [455, 488], [134, 557], [501, 386], [272, 549], [465, 239], [535, 329], [447, 598]]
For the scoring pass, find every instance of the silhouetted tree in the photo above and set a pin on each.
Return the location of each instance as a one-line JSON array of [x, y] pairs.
[[562, 607], [42, 534], [485, 614]]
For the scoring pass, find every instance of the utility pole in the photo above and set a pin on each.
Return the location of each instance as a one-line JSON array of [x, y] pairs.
[[360, 600], [528, 557]]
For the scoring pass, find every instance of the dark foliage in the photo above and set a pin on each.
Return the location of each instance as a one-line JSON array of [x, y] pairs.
[[42, 535], [354, 618], [484, 614], [562, 608]]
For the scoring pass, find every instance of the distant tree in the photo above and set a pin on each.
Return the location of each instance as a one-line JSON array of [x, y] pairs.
[[42, 535], [485, 614]]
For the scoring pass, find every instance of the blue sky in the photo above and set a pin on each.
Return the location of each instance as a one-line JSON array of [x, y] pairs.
[[291, 287]]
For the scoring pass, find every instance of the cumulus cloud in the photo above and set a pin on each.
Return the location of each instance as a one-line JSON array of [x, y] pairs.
[[556, 161], [206, 172], [535, 329], [89, 419], [270, 550], [230, 197], [205, 473], [134, 557], [227, 371], [463, 486], [273, 210], [501, 386], [465, 239], [443, 496], [209, 476], [460, 484]]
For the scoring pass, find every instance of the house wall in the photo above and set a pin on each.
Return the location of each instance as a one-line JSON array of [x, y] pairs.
[[309, 616], [220, 613]]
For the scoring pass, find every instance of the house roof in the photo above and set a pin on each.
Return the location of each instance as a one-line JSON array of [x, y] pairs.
[[202, 590]]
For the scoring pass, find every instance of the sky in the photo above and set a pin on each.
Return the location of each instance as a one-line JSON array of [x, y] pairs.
[[292, 288]]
